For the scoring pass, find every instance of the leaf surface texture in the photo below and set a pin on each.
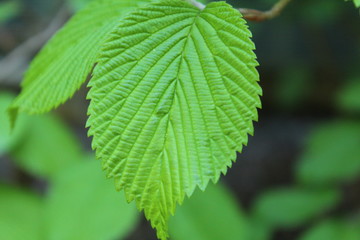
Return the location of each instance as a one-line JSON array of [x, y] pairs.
[[173, 98]]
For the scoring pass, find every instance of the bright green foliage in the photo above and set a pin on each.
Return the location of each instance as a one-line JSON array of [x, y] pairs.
[[48, 147], [210, 215], [333, 148], [83, 205], [292, 207], [65, 62], [357, 3], [334, 230], [20, 214], [172, 99]]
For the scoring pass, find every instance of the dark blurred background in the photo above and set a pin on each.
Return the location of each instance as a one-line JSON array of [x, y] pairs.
[[299, 176]]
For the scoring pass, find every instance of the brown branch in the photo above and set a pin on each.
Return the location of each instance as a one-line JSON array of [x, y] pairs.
[[259, 16], [13, 65]]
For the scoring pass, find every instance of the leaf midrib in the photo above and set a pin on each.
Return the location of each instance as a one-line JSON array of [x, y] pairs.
[[173, 100]]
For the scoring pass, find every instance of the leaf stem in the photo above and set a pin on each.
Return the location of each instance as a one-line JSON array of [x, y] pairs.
[[253, 14], [197, 4], [259, 16]]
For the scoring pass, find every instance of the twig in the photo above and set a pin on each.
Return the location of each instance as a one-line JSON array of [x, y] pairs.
[[14, 64], [252, 14], [197, 4], [259, 16]]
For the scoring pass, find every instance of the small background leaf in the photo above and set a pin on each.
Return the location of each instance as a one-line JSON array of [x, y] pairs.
[[20, 214], [49, 147], [83, 205], [333, 148], [348, 97], [210, 215], [78, 4], [333, 230], [8, 10], [292, 207]]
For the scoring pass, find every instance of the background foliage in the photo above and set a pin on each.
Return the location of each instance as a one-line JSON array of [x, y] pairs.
[[299, 177]]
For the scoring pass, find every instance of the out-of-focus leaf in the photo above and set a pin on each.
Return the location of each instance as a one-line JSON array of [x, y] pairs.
[[348, 97], [329, 11], [48, 147], [78, 4], [8, 138], [332, 154], [20, 214], [210, 215], [292, 207], [333, 230], [356, 2], [260, 230], [293, 86], [82, 204], [8, 10]]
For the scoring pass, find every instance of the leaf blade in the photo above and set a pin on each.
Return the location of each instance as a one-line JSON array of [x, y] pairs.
[[173, 97]]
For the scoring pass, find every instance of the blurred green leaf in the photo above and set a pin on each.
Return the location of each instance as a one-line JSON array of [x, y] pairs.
[[356, 2], [293, 86], [210, 215], [20, 214], [8, 138], [78, 4], [260, 230], [333, 230], [332, 154], [82, 204], [8, 10], [292, 207], [348, 97], [329, 12], [48, 148]]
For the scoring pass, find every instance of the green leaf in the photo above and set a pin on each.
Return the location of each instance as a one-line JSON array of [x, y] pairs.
[[78, 4], [356, 2], [332, 154], [20, 214], [333, 230], [83, 205], [348, 96], [8, 10], [67, 59], [210, 215], [10, 138], [293, 207], [172, 98], [49, 147]]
